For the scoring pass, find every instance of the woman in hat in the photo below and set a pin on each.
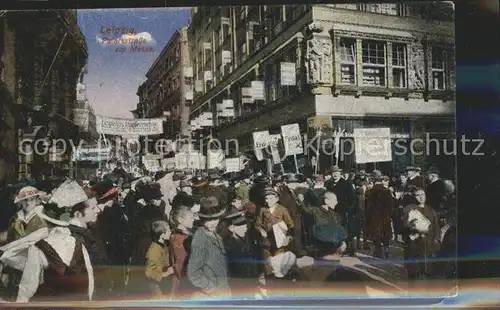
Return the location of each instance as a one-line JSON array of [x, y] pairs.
[[207, 265], [27, 219], [62, 259], [182, 220]]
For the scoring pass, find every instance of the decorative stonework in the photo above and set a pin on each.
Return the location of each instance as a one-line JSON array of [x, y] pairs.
[[417, 66], [319, 61]]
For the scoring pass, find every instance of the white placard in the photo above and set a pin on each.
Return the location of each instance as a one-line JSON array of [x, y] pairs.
[[260, 142], [292, 139], [188, 72], [226, 57], [261, 139], [189, 95], [258, 90], [273, 142], [207, 76], [288, 74], [120, 126], [91, 154], [206, 119], [215, 159], [372, 145], [233, 164]]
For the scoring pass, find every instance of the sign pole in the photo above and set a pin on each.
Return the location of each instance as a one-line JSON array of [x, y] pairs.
[[296, 163]]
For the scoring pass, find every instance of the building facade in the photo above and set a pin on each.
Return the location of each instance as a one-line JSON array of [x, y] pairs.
[[83, 113], [362, 65], [42, 55], [167, 91]]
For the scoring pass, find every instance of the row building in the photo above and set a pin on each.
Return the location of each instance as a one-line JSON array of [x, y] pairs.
[[166, 92], [358, 65], [42, 54]]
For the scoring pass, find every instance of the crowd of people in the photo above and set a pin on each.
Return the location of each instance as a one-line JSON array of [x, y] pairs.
[[177, 234]]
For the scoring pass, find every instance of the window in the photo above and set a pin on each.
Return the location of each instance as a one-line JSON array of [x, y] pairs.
[[348, 61], [374, 63], [399, 65], [226, 32], [438, 68], [384, 8]]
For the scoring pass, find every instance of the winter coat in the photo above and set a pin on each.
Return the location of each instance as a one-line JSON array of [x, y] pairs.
[[378, 214], [207, 265]]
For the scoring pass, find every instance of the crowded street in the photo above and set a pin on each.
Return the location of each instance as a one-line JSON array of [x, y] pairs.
[[251, 152]]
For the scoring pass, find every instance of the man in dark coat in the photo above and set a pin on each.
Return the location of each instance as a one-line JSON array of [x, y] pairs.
[[292, 191], [346, 198], [244, 252], [414, 180], [113, 229], [379, 205], [436, 190]]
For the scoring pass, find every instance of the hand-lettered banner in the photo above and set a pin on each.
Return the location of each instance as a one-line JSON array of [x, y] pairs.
[[120, 126]]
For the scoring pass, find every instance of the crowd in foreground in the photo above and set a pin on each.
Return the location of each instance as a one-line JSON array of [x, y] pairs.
[[174, 235]]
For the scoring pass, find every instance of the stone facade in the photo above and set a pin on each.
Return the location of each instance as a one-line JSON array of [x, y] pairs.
[[167, 89], [401, 86]]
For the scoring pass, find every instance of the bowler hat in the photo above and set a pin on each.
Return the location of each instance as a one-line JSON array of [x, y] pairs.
[[331, 232], [170, 167], [210, 208]]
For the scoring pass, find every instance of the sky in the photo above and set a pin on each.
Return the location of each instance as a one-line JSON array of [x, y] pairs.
[[113, 64]]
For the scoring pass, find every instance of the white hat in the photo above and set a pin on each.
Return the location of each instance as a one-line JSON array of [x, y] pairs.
[[26, 192]]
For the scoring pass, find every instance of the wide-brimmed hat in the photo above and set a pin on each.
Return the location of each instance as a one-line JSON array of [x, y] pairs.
[[210, 208], [105, 189], [413, 168], [26, 193], [334, 169]]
